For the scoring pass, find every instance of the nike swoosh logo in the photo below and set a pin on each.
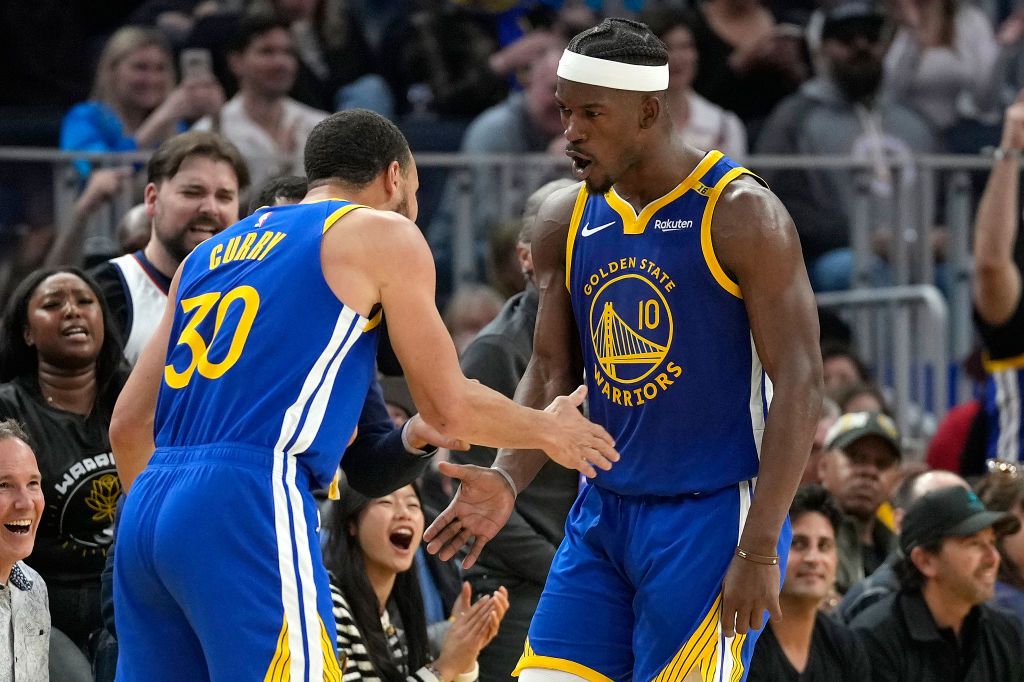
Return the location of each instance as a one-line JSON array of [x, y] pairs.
[[586, 231]]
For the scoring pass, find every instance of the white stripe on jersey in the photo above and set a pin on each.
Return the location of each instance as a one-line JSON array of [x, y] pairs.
[[302, 608], [1008, 404], [760, 392]]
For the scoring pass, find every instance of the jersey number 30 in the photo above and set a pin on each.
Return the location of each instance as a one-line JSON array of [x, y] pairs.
[[199, 347]]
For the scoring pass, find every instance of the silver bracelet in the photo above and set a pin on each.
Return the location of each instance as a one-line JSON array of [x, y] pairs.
[[508, 479]]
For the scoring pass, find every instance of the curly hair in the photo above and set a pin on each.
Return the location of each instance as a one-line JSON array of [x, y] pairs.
[[18, 359]]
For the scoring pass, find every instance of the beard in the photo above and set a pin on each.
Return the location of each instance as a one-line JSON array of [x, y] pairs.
[[860, 78], [402, 208], [178, 244]]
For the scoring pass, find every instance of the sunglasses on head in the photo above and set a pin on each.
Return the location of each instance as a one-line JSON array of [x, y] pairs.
[[1002, 467]]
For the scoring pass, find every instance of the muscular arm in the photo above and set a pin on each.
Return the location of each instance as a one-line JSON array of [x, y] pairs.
[[997, 281], [555, 367], [756, 241], [361, 261], [131, 426]]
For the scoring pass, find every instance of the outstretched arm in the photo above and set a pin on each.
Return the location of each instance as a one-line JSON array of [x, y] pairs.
[[555, 368], [997, 281], [457, 407], [755, 240], [131, 426], [484, 500]]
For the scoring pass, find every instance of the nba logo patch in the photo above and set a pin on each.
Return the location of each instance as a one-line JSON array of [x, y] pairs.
[[263, 219]]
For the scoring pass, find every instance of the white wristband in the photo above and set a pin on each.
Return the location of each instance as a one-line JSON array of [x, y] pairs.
[[508, 479], [470, 675], [405, 441]]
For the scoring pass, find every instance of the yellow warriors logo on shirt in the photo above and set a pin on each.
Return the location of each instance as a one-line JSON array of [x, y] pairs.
[[631, 328]]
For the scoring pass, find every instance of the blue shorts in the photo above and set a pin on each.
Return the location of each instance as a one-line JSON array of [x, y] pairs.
[[634, 591], [218, 573]]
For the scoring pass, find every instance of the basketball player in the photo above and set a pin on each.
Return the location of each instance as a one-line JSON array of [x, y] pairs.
[[262, 361], [673, 279]]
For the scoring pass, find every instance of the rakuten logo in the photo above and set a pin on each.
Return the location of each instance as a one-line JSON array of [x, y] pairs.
[[672, 225]]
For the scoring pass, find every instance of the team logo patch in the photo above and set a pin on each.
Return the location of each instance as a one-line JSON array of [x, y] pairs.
[[631, 341], [631, 330], [81, 504]]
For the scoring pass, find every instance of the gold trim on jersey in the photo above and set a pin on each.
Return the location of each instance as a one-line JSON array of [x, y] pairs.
[[332, 668], [374, 321], [737, 657], [1002, 365], [636, 224], [700, 652], [574, 226], [339, 214], [530, 659], [706, 244], [278, 670]]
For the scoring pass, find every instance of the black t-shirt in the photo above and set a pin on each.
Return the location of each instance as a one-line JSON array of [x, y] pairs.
[[80, 482], [1006, 340], [836, 656]]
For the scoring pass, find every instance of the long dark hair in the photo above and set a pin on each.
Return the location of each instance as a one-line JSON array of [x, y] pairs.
[[18, 359], [344, 559]]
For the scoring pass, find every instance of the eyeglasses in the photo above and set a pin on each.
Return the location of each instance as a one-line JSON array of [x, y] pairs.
[[1004, 468]]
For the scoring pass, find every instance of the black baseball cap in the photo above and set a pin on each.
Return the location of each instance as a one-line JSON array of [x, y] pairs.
[[853, 426], [950, 513], [843, 15]]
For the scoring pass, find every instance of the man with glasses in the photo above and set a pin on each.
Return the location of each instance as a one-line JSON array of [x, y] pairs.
[[843, 112]]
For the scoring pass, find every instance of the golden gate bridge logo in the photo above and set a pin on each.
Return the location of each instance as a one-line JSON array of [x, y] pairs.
[[629, 349]]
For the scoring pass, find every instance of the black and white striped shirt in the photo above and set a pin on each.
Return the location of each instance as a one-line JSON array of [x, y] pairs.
[[352, 652]]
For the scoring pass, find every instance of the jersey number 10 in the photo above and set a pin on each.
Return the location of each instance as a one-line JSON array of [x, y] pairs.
[[200, 347]]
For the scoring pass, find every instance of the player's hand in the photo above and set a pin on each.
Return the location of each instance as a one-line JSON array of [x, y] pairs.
[[749, 590], [578, 443], [422, 435], [480, 508]]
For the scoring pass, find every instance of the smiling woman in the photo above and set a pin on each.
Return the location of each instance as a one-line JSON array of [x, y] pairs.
[[371, 547], [62, 368]]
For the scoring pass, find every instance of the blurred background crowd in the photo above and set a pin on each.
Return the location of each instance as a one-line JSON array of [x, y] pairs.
[[892, 131]]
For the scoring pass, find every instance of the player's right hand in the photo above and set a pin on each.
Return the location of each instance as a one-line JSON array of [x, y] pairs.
[[480, 508], [578, 443]]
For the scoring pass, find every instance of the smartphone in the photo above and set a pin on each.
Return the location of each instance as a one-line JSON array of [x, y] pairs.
[[196, 62]]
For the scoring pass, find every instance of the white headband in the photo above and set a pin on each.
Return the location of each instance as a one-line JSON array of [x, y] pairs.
[[608, 74]]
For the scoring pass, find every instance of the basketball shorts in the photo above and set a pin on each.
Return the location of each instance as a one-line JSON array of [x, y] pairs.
[[635, 589], [218, 573]]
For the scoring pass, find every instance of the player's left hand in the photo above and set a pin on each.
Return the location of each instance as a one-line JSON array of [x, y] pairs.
[[480, 508], [748, 591], [422, 435]]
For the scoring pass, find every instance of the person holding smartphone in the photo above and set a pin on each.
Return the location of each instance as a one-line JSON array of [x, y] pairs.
[[135, 103]]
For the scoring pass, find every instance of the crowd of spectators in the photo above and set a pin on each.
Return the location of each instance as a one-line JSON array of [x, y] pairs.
[[896, 567]]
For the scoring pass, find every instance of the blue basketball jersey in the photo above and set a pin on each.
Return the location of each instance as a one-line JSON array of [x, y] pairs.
[[672, 372], [261, 352], [1001, 401]]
